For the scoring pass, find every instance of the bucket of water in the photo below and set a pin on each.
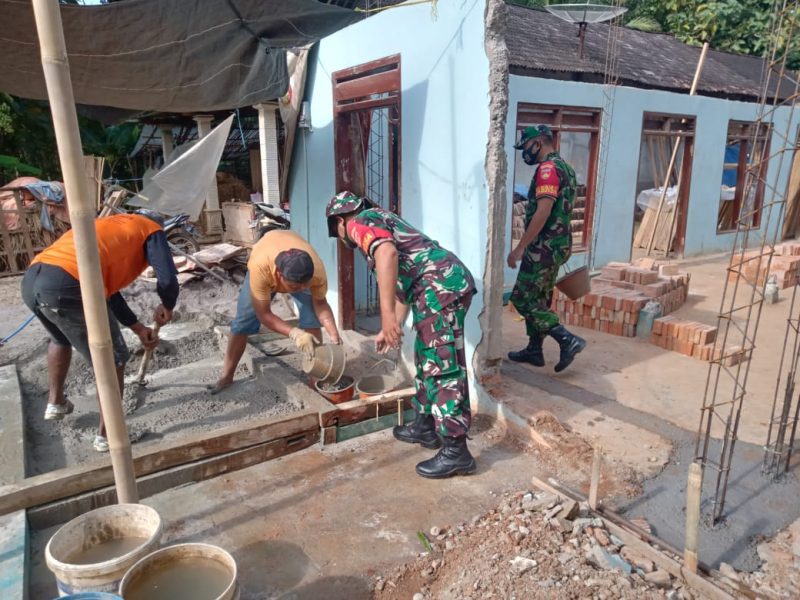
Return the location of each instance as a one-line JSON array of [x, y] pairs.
[[92, 552], [373, 385], [183, 572], [575, 284], [328, 363], [341, 391]]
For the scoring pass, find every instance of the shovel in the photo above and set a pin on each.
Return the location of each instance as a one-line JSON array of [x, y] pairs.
[[148, 354]]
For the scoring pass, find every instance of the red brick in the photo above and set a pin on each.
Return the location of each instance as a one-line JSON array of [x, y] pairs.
[[612, 273]]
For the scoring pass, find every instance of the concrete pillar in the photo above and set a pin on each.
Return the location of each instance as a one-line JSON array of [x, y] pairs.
[[167, 141], [212, 215], [268, 140]]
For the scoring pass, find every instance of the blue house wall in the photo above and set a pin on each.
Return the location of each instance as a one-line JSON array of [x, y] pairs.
[[444, 125], [615, 202]]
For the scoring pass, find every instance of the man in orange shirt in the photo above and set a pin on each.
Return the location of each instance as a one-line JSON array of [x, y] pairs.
[[50, 288], [282, 261]]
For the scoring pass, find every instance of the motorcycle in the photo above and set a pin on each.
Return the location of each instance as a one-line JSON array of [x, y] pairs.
[[270, 217], [181, 233]]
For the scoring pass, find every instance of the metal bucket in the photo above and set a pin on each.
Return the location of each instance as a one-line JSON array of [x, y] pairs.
[[575, 284], [328, 363]]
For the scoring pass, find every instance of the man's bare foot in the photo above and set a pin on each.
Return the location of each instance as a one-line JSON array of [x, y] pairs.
[[216, 388]]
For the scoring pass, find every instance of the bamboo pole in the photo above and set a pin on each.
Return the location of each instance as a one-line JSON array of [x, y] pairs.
[[82, 214], [692, 516], [674, 156]]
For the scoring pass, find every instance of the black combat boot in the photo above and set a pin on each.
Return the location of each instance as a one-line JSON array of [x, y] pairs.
[[532, 353], [570, 345], [453, 459], [421, 431]]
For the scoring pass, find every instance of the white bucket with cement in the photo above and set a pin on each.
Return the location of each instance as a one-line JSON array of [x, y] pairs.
[[183, 572], [93, 552]]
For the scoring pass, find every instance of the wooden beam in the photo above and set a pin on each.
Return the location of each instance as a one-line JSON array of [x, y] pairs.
[[346, 412], [152, 458], [695, 580], [692, 516], [61, 511]]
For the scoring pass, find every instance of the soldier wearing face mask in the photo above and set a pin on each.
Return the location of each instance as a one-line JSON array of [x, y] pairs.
[[545, 246]]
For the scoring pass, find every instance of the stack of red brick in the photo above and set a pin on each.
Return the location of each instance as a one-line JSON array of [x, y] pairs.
[[620, 293], [784, 267], [693, 339]]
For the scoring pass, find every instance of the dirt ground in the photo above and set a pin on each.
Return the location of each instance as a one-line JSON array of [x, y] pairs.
[[532, 545]]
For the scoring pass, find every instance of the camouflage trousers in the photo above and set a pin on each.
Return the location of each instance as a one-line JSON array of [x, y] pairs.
[[533, 295], [441, 378]]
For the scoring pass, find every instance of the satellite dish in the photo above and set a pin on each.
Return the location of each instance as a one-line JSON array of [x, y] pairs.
[[583, 13]]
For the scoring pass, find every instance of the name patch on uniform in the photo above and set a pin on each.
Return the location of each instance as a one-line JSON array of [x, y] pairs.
[[547, 180]]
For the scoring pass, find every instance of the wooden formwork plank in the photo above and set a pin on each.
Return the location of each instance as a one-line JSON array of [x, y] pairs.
[[61, 511], [366, 426], [386, 402], [71, 481]]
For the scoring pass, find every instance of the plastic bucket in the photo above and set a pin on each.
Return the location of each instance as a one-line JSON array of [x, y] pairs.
[[575, 284], [327, 365], [372, 385], [91, 534], [165, 568], [344, 394]]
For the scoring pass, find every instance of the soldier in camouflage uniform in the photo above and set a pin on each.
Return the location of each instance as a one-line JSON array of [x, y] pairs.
[[414, 271], [545, 246]]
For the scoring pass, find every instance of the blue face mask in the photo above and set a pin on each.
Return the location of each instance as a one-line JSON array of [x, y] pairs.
[[530, 157]]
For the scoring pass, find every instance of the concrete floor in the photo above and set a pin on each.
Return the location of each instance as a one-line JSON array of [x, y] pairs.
[[321, 523], [666, 384], [625, 393]]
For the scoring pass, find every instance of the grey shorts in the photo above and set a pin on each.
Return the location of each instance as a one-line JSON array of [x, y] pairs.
[[54, 296]]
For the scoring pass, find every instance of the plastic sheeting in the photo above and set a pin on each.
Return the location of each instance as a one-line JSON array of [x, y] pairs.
[[168, 56], [650, 198], [182, 185]]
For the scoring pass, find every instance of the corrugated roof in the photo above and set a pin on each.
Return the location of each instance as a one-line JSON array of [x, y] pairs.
[[541, 44]]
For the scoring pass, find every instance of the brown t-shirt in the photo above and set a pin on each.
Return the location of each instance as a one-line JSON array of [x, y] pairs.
[[263, 282]]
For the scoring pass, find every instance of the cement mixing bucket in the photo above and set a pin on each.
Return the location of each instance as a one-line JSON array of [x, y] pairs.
[[328, 363], [372, 385], [343, 391], [575, 284], [92, 552], [183, 572]]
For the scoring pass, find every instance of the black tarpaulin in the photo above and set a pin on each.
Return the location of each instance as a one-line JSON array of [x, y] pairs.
[[168, 55]]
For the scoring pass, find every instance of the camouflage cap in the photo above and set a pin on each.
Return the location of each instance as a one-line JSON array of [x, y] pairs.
[[343, 203], [533, 132]]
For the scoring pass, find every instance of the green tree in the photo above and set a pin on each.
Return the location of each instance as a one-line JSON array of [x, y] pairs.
[[740, 26], [26, 135]]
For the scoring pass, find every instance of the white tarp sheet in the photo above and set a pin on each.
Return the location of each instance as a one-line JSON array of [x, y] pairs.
[[182, 185]]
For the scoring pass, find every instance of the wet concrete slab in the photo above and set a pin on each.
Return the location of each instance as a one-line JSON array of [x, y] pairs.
[[321, 523]]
